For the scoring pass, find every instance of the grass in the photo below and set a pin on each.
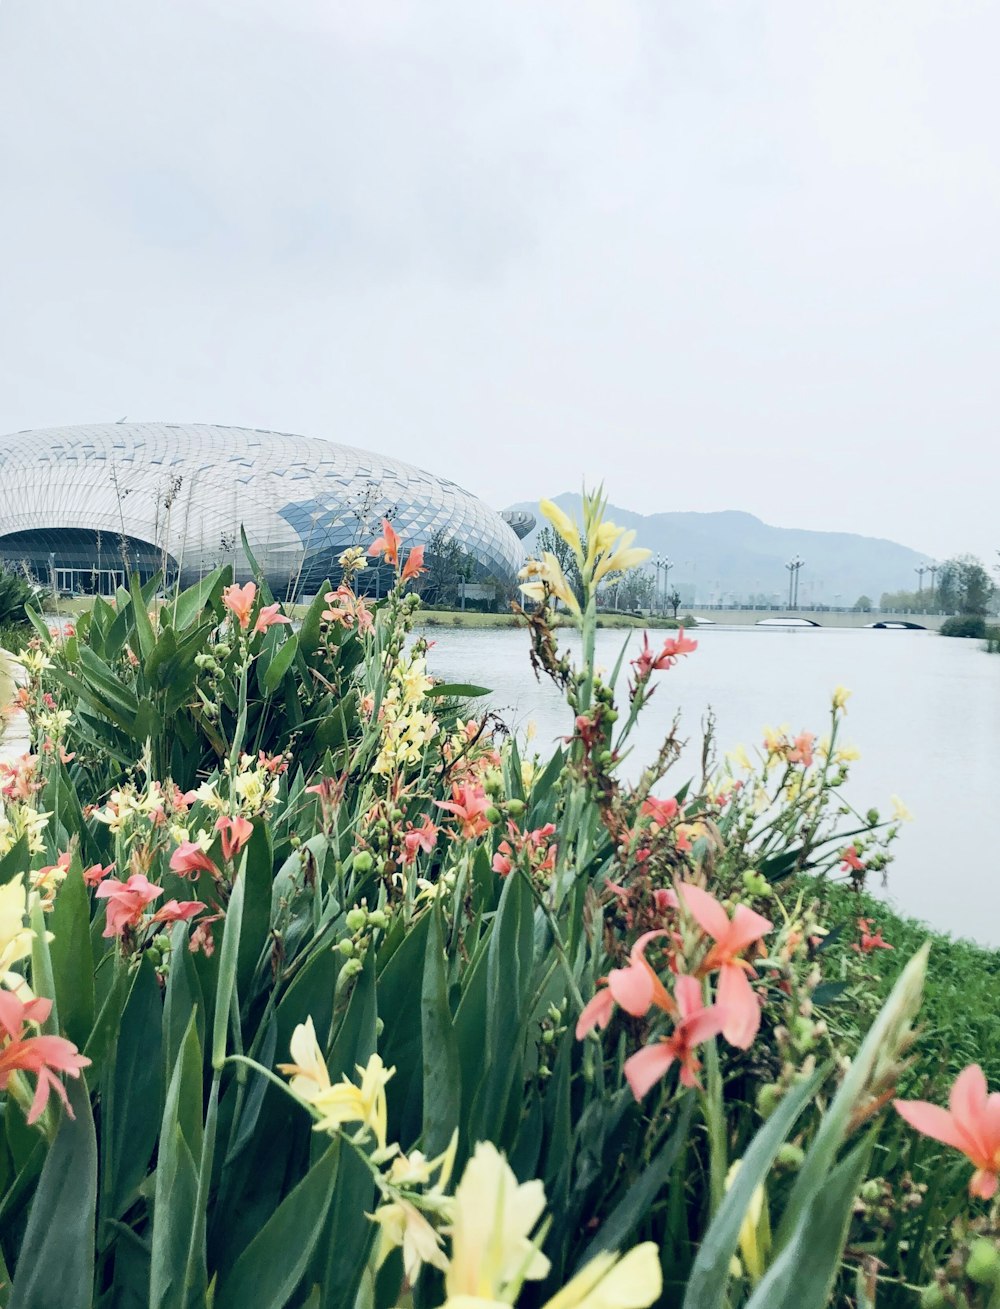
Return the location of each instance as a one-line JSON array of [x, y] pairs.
[[961, 997]]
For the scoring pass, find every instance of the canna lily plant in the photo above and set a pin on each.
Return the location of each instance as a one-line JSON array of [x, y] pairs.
[[320, 988]]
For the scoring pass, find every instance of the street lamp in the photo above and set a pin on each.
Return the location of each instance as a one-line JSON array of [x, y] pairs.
[[662, 562], [794, 566], [920, 574]]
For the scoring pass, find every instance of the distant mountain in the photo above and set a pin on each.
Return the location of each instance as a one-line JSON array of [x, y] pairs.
[[733, 555]]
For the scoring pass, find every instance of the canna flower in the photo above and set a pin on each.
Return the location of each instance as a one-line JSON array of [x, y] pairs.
[[414, 565], [971, 1123], [492, 1251], [545, 577], [469, 804], [900, 813], [564, 526], [802, 750], [633, 1281], [190, 858], [126, 901], [635, 988], [404, 1225], [387, 545], [95, 874], [697, 1023], [352, 560], [419, 838], [869, 942], [850, 861], [44, 1056], [235, 833], [344, 1102], [673, 648], [52, 875], [15, 938], [618, 556], [269, 617], [175, 912], [660, 813], [239, 601], [840, 697], [732, 937]]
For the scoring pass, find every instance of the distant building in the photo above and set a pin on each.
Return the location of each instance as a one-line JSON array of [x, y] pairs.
[[82, 507]]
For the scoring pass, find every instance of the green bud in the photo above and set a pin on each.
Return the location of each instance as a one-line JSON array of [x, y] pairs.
[[548, 1036], [357, 919], [983, 1265], [396, 815], [492, 815], [768, 1099], [791, 1156], [379, 918], [351, 968], [222, 651], [346, 947], [932, 1297], [515, 808], [362, 862], [872, 816], [379, 1026], [605, 757], [611, 716]]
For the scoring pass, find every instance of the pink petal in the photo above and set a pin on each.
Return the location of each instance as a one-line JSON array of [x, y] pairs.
[[705, 910], [983, 1184], [746, 928], [736, 996], [705, 1024], [645, 1068], [596, 1013], [632, 988], [688, 992], [933, 1121]]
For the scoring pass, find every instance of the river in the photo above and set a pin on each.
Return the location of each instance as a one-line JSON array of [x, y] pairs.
[[925, 714]]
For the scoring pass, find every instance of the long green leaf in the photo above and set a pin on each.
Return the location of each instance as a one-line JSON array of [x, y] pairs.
[[228, 961], [442, 1070], [281, 663], [176, 1193], [55, 1265], [275, 1261], [72, 957], [706, 1288]]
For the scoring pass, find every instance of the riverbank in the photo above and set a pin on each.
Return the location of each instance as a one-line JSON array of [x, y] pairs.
[[472, 619]]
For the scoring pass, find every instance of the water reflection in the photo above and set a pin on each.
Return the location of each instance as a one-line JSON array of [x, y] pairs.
[[925, 715]]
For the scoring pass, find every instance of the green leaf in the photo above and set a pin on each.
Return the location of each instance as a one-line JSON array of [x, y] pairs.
[[131, 1113], [228, 957], [442, 1071], [803, 1274], [274, 1263], [616, 1230], [189, 604], [72, 957], [460, 690], [256, 907], [312, 625], [706, 1288], [56, 1260], [140, 619], [176, 1193], [281, 662]]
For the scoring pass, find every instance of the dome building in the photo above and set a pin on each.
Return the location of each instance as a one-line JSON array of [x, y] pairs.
[[81, 507]]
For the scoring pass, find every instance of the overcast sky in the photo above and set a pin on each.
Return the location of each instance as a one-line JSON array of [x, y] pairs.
[[721, 254]]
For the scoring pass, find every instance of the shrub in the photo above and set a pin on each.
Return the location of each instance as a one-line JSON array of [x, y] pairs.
[[964, 625]]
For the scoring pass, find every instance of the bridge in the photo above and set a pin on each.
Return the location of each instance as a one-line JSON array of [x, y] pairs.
[[821, 616]]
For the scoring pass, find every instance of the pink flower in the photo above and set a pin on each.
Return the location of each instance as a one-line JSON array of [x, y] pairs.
[[503, 859], [673, 647], [268, 617], [95, 874], [239, 601], [869, 942], [596, 1012], [175, 912], [469, 805], [697, 1023], [126, 901], [387, 545], [635, 988], [414, 565], [235, 833], [660, 812], [971, 1124], [348, 609], [850, 860], [802, 750], [731, 937], [419, 838], [190, 858], [44, 1056]]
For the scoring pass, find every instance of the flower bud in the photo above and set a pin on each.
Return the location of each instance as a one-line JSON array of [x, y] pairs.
[[768, 1099], [362, 862], [351, 968], [492, 815], [515, 808], [983, 1265], [356, 919], [790, 1156], [346, 947], [379, 918]]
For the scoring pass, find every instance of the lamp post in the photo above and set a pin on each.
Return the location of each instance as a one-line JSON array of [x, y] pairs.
[[932, 568], [920, 574], [794, 566]]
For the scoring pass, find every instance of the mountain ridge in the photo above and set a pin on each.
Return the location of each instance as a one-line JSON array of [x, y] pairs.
[[731, 554]]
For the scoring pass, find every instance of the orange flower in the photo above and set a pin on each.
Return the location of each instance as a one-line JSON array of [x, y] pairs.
[[235, 833], [386, 545], [971, 1124], [190, 858], [731, 937], [239, 601], [469, 804], [414, 565], [42, 1055], [126, 901]]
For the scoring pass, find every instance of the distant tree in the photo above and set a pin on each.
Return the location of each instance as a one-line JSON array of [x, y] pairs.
[[905, 602], [632, 591], [674, 601], [447, 566], [15, 592], [964, 587], [863, 604]]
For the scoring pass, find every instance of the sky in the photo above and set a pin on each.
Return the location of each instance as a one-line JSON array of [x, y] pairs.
[[721, 254]]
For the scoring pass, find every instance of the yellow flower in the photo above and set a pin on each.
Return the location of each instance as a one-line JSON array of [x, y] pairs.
[[847, 754], [633, 1281], [15, 938], [840, 698], [347, 1103], [620, 555], [755, 1232], [900, 813], [491, 1248], [740, 757], [308, 1073], [564, 525], [551, 581], [404, 1225]]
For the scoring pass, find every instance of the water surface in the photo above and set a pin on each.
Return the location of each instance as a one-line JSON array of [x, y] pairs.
[[925, 714]]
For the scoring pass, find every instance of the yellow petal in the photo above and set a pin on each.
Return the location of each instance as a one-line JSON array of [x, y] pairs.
[[607, 1282], [564, 525]]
